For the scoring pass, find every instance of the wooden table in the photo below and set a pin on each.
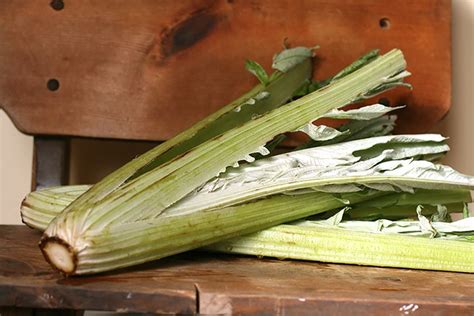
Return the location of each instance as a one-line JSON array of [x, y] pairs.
[[199, 282]]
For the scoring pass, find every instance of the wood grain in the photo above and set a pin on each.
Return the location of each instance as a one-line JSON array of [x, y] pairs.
[[224, 284], [147, 69], [26, 280]]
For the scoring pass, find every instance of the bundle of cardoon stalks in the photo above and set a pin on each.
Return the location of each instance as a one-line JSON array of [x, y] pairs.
[[212, 186]]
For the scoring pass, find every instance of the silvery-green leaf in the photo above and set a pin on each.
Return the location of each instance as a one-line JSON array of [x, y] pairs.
[[328, 158], [455, 230], [377, 127], [288, 58], [248, 158], [389, 187], [441, 214], [364, 113], [401, 148], [336, 219], [387, 84], [465, 225], [382, 88], [335, 169], [401, 75], [320, 132], [257, 70], [262, 150], [354, 130], [425, 224]]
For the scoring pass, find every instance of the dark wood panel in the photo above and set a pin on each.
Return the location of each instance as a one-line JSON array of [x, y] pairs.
[[147, 69], [12, 311], [18, 311], [213, 283], [50, 162]]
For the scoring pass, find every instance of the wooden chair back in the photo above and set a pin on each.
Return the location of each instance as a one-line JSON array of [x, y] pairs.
[[144, 70]]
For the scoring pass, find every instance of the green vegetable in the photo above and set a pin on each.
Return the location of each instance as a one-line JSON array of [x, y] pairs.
[[127, 205], [39, 208], [211, 205], [332, 241], [136, 242]]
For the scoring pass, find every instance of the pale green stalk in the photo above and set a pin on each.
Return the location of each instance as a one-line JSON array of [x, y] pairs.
[[133, 243], [39, 208], [335, 245], [280, 88]]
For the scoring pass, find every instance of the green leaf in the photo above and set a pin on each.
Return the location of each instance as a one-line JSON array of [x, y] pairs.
[[365, 113], [381, 126], [336, 218], [441, 215], [465, 211], [425, 224], [422, 228], [254, 68], [388, 84], [288, 58], [320, 132], [354, 130], [335, 169]]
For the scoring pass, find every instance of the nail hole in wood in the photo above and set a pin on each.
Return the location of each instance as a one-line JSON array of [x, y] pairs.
[[384, 23], [384, 101], [53, 84], [57, 5]]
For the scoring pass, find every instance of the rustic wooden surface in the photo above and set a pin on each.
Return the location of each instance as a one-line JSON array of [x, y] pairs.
[[147, 69], [221, 284]]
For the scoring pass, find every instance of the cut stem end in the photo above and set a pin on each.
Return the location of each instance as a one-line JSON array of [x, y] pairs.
[[59, 254]]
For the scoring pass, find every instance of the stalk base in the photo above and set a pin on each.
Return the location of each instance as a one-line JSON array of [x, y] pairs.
[[59, 254]]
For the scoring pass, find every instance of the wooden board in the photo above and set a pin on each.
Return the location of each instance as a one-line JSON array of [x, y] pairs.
[[224, 284], [26, 280], [146, 69]]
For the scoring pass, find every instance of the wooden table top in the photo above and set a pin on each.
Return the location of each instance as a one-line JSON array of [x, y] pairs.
[[199, 282]]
